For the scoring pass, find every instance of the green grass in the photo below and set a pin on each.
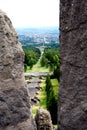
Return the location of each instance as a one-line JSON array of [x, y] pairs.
[[55, 86], [42, 96], [37, 68], [55, 126], [34, 110], [41, 49]]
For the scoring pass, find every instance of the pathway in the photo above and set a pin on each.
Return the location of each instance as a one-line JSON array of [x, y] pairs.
[[34, 87]]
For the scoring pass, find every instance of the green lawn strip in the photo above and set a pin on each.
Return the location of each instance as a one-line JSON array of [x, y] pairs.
[[42, 96], [41, 48], [55, 84], [55, 126], [34, 109], [37, 68]]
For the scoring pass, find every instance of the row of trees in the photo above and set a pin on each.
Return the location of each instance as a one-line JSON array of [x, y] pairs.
[[32, 55], [51, 59], [51, 100]]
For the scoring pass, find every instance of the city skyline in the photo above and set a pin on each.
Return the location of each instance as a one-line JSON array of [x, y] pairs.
[[31, 13]]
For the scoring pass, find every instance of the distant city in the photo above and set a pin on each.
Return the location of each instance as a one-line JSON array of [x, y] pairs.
[[42, 36]]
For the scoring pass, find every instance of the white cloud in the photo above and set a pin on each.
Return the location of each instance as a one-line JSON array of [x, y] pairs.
[[32, 12]]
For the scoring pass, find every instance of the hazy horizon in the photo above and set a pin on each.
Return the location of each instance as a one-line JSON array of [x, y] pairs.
[[33, 27]]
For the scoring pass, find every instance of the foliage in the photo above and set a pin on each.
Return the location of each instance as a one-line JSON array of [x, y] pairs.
[[48, 84], [31, 56], [37, 68], [56, 73], [25, 67], [50, 58], [52, 45], [48, 102], [51, 101], [52, 106], [42, 96]]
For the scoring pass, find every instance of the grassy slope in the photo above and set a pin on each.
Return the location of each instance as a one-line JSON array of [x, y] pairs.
[[55, 86], [42, 96], [37, 68]]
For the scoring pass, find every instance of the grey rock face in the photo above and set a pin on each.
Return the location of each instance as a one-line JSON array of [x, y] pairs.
[[15, 113], [43, 120], [72, 106]]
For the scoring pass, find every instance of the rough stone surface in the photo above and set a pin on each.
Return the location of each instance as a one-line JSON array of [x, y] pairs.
[[72, 107], [43, 120], [34, 87], [15, 108]]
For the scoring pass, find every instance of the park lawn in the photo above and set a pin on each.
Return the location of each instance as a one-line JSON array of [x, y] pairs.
[[37, 68], [42, 96], [55, 84]]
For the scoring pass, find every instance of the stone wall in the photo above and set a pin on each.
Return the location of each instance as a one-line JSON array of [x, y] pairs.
[[15, 108], [72, 106]]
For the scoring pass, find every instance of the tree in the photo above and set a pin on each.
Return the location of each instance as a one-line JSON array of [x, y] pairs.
[[25, 67], [31, 56], [48, 84], [44, 62], [50, 58], [51, 101], [52, 107], [56, 73]]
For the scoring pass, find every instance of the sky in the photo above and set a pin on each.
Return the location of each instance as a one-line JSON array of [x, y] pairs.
[[32, 13]]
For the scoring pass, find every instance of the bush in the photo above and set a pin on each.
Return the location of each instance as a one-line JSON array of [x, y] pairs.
[[51, 101], [25, 67], [31, 56], [50, 58], [56, 73]]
